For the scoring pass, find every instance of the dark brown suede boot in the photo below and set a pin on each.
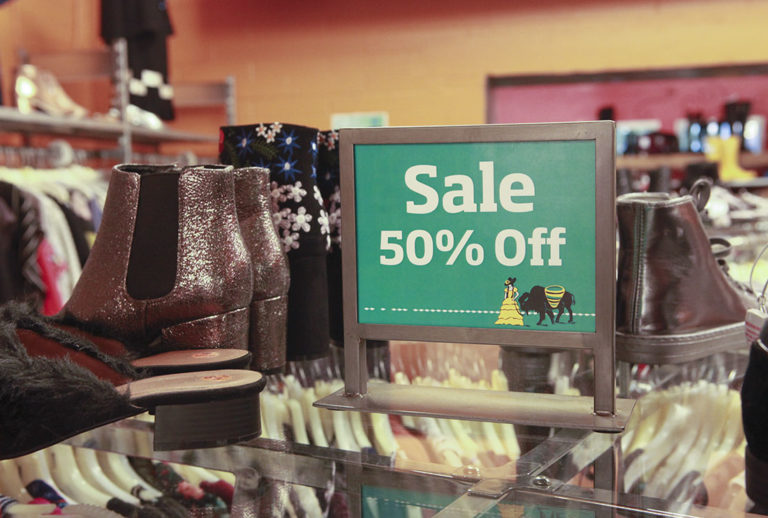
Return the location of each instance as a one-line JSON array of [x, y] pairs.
[[674, 301]]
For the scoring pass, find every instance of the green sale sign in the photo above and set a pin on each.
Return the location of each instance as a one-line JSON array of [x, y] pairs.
[[495, 235]]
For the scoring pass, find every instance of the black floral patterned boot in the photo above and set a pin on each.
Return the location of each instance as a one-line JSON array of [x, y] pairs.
[[290, 153], [329, 182]]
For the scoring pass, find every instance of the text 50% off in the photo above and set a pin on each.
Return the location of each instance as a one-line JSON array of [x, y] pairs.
[[510, 246]]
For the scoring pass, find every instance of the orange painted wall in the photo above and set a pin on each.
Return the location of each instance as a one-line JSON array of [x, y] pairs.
[[425, 62]]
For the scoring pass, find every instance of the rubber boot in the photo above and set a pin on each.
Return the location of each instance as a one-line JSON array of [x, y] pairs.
[[726, 152]]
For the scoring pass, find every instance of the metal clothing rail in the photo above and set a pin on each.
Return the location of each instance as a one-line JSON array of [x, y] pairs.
[[60, 153]]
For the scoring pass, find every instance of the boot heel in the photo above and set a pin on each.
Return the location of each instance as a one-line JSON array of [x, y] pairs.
[[266, 337], [207, 425], [227, 330]]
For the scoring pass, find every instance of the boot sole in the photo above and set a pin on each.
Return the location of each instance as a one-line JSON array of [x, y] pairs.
[[679, 348], [203, 409], [172, 362], [192, 410], [207, 425]]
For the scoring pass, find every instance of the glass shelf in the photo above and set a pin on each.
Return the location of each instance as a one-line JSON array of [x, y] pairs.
[[542, 481]]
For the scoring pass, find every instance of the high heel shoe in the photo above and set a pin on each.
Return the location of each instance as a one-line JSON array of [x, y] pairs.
[[39, 90], [50, 391], [169, 269]]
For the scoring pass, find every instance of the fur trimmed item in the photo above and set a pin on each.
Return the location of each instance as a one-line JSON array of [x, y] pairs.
[[44, 401], [24, 317]]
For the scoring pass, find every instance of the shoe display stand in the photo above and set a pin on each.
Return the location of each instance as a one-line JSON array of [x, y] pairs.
[[13, 121], [681, 160], [358, 474], [113, 63]]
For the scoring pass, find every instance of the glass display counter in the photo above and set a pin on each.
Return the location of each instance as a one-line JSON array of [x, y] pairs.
[[681, 455]]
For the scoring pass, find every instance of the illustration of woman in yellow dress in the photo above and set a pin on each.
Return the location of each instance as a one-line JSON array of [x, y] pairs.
[[510, 311]]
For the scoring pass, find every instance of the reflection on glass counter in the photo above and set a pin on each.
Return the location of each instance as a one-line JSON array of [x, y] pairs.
[[682, 452]]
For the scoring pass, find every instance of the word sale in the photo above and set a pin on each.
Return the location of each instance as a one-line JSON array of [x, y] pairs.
[[514, 193]]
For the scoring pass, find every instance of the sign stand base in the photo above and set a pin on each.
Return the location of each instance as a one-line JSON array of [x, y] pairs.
[[482, 405]]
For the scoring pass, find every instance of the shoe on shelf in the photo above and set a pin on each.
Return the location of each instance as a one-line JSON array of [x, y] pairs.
[[290, 152], [169, 269], [268, 311], [137, 117], [26, 318], [40, 90], [726, 152], [675, 301], [50, 391], [187, 272]]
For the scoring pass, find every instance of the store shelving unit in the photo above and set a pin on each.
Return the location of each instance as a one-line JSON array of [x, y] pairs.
[[680, 160], [13, 121], [112, 63]]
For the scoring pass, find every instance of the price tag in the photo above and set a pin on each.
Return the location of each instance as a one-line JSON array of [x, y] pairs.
[[753, 324]]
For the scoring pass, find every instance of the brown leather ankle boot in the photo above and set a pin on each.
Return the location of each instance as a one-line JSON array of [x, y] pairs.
[[674, 301], [169, 268]]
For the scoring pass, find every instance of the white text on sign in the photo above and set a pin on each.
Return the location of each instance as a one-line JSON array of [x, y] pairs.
[[515, 193], [462, 197], [509, 247]]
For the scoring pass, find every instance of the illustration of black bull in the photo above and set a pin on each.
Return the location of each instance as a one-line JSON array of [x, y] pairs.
[[536, 300]]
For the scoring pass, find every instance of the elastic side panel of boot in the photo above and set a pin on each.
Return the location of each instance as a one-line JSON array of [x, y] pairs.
[[152, 264]]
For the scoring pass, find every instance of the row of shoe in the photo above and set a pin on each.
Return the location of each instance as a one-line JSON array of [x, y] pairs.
[[194, 270], [234, 258], [39, 90], [186, 273]]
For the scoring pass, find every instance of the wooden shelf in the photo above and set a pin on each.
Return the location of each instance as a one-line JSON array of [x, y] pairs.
[[680, 160]]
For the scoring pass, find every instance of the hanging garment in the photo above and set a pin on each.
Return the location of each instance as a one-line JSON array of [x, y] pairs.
[[80, 228], [145, 25], [26, 282], [46, 230], [58, 234], [8, 225]]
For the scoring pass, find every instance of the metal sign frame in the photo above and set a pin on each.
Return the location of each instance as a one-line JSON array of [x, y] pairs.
[[601, 413]]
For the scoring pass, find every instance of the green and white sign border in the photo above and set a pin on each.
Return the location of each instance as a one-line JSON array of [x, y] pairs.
[[601, 342]]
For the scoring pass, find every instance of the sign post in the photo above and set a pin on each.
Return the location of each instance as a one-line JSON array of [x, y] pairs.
[[499, 235]]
